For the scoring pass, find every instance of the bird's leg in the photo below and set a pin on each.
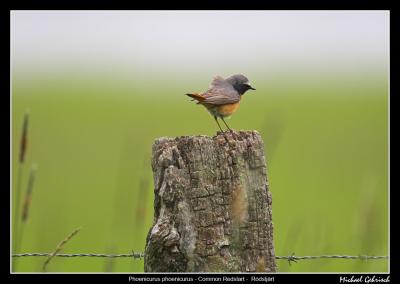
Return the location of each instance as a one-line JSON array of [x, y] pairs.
[[218, 123], [226, 124]]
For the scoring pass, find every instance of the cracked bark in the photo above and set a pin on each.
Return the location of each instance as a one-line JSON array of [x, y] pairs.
[[212, 205]]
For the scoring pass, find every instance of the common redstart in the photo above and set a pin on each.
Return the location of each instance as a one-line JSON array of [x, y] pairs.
[[223, 97]]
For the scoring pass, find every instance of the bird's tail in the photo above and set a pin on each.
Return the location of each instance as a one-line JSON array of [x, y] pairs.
[[196, 97]]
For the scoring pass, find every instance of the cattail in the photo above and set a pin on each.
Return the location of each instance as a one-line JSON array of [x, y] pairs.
[[60, 247], [28, 195], [16, 236], [24, 139]]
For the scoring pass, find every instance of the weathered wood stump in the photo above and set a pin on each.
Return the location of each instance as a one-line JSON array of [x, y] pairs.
[[212, 205]]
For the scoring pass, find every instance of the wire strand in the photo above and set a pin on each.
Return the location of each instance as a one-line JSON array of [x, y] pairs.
[[134, 255], [139, 255]]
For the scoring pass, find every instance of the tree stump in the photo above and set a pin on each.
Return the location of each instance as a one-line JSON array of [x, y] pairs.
[[212, 205]]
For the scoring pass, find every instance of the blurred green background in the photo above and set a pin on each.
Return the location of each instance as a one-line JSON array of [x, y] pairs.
[[91, 130]]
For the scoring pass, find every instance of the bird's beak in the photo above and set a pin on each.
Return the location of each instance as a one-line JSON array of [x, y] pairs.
[[251, 88]]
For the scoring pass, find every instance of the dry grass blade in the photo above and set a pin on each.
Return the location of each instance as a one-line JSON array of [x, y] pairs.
[[60, 247]]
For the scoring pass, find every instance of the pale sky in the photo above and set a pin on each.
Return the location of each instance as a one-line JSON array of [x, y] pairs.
[[169, 40]]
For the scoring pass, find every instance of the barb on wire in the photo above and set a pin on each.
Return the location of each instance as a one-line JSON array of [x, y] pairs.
[[291, 258]]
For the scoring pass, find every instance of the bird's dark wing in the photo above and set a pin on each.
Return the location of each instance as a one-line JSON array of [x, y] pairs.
[[221, 96]]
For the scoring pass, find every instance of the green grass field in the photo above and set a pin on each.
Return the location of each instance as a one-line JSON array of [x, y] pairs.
[[326, 141]]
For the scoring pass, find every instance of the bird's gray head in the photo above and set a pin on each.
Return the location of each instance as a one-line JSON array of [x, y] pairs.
[[240, 83]]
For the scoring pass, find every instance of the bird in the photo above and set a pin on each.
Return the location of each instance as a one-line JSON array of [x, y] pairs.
[[223, 97]]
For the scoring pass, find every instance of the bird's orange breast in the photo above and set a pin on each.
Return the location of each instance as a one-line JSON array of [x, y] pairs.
[[228, 109]]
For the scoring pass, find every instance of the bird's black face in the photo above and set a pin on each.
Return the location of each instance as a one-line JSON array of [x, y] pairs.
[[243, 88], [240, 83]]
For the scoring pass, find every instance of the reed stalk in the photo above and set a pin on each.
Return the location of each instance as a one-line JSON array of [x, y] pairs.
[[27, 204], [17, 200]]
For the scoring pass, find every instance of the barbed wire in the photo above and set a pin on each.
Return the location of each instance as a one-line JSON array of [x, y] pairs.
[[294, 258], [139, 255], [135, 255]]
